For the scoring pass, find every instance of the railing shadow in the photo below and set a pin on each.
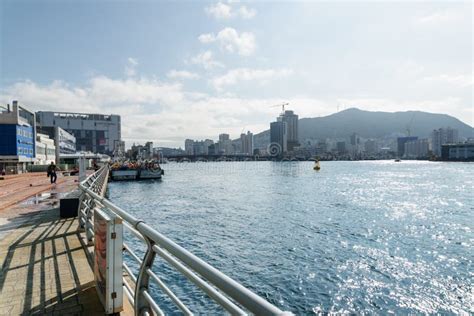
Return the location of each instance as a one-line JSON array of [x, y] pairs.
[[45, 270]]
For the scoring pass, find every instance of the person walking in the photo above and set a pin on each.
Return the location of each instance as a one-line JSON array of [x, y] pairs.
[[52, 172]]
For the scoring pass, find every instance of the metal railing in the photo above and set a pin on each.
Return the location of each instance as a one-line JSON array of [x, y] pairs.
[[226, 292]]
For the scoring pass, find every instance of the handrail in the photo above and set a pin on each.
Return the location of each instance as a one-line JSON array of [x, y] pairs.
[[226, 292]]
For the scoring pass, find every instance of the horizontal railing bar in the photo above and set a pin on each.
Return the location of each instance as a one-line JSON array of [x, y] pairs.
[[211, 291], [129, 272], [238, 292], [127, 248], [134, 231], [124, 215], [171, 295], [152, 303]]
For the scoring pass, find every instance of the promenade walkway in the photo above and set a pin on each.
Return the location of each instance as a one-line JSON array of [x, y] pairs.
[[44, 267]]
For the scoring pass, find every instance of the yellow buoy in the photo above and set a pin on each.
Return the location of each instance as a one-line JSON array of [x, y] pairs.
[[317, 167]]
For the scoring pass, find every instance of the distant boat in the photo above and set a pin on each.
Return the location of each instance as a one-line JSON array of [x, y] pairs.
[[398, 160]]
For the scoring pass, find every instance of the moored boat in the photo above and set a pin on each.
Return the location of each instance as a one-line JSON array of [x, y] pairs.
[[127, 174], [150, 174]]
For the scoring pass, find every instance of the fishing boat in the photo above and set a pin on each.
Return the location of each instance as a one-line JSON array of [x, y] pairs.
[[130, 174], [150, 170], [123, 171], [140, 170]]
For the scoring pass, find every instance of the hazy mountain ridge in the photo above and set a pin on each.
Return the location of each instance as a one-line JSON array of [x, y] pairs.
[[371, 125]]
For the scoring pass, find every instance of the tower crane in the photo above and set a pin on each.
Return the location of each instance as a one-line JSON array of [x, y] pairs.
[[408, 127], [282, 106]]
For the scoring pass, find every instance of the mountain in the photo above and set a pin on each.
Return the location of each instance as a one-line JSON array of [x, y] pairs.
[[371, 125]]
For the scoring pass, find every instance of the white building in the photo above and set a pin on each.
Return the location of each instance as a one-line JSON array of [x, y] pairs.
[[441, 137], [45, 150], [247, 143]]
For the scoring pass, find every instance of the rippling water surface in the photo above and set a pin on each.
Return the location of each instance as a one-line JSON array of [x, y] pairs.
[[372, 236]]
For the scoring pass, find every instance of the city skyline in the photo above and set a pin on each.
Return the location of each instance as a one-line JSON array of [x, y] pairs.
[[181, 70]]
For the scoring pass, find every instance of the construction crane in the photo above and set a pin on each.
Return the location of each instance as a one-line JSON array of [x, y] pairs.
[[408, 127], [282, 106]]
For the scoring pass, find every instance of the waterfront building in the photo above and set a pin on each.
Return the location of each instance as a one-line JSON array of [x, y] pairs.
[[18, 138], [458, 152], [119, 148], [441, 137], [341, 147], [416, 149], [246, 142], [45, 150], [200, 148], [291, 120], [96, 133], [370, 146], [278, 135], [64, 142], [225, 144], [401, 141], [355, 139], [188, 146]]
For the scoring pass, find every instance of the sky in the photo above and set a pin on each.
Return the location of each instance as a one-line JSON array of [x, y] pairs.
[[177, 70]]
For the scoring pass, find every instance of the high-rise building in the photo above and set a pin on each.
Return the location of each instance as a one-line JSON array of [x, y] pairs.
[[18, 138], [189, 146], [370, 146], [246, 141], [355, 139], [278, 135], [224, 137], [291, 120], [416, 149], [401, 144], [441, 137], [96, 133], [341, 147], [225, 144]]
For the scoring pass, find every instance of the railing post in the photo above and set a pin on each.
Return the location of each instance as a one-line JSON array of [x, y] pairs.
[[82, 207], [143, 279]]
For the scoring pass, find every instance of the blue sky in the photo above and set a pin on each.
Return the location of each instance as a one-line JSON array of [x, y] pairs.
[[197, 69]]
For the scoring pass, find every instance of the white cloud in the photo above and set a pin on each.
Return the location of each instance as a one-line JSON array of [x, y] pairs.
[[167, 114], [223, 11], [237, 75], [439, 17], [219, 10], [206, 60], [231, 41], [461, 80], [130, 68], [182, 74], [246, 13]]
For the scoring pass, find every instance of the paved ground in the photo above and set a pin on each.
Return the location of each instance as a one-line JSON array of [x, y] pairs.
[[15, 188], [44, 267]]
